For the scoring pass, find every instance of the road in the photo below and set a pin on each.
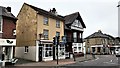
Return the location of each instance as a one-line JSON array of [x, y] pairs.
[[104, 61]]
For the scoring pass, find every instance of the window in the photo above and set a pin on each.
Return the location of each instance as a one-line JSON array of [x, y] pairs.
[[57, 33], [45, 20], [26, 49], [75, 36], [62, 50], [57, 23], [0, 24], [14, 32], [45, 33], [48, 50]]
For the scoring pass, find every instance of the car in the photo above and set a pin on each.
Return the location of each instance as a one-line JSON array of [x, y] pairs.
[[117, 52]]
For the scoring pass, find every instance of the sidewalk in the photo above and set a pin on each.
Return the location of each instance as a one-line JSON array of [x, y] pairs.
[[60, 62]]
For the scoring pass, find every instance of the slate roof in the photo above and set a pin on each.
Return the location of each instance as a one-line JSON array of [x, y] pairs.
[[44, 12], [99, 34], [69, 19], [5, 13]]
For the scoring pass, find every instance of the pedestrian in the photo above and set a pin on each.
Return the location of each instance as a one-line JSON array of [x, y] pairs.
[[93, 55]]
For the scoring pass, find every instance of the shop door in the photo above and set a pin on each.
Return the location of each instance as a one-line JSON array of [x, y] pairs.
[[40, 53]]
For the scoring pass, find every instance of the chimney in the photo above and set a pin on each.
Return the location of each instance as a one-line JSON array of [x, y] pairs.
[[54, 10], [8, 9]]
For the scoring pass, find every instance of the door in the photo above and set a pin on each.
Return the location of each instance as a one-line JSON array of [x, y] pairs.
[[54, 52], [40, 53]]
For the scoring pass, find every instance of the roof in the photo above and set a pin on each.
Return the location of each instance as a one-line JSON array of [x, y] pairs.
[[5, 13], [98, 34], [44, 12], [69, 19]]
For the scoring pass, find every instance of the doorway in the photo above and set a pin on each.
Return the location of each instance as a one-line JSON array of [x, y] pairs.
[[40, 53]]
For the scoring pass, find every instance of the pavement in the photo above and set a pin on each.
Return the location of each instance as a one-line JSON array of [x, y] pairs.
[[61, 62]]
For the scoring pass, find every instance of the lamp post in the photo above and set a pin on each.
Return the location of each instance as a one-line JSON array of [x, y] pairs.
[[40, 35]]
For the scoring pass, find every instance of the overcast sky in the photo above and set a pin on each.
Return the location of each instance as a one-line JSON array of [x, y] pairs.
[[96, 14]]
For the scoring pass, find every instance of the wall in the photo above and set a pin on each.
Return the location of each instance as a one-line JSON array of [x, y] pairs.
[[31, 55], [8, 27], [26, 27], [51, 27]]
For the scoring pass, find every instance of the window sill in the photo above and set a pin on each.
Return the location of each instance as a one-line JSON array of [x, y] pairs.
[[1, 32], [25, 52]]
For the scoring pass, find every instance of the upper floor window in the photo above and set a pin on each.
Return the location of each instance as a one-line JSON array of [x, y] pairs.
[[57, 23], [0, 24], [45, 33], [45, 21], [77, 23], [57, 33]]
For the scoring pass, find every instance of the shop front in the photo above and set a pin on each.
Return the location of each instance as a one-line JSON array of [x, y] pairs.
[[47, 51], [7, 51]]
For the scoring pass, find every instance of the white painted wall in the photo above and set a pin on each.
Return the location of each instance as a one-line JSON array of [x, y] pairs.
[[31, 55]]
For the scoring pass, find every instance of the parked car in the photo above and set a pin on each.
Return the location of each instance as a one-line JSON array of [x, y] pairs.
[[117, 52], [79, 54]]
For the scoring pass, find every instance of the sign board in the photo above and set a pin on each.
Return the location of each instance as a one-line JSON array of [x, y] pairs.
[[7, 42]]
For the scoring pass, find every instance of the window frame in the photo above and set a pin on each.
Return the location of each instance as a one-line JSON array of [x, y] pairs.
[[45, 20], [57, 23], [46, 36], [58, 33], [26, 49], [1, 24], [48, 50]]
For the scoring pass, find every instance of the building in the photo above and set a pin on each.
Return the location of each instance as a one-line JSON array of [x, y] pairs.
[[99, 43], [74, 28], [35, 29], [7, 35]]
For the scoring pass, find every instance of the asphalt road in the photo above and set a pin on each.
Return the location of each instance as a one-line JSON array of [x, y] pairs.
[[101, 61]]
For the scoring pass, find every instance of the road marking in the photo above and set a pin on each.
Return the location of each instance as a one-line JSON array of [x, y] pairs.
[[109, 63]]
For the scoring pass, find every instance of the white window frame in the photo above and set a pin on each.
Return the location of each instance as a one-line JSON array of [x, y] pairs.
[[26, 49], [57, 23], [46, 34], [46, 21], [50, 50]]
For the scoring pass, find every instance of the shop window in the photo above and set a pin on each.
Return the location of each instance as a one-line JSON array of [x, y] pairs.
[[62, 50], [48, 50]]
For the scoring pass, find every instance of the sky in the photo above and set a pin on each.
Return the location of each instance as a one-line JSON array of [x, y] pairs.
[[96, 14]]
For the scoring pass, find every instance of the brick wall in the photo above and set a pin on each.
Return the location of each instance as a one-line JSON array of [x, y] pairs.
[[8, 27]]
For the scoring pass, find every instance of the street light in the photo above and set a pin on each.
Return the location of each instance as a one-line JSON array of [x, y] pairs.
[[40, 36]]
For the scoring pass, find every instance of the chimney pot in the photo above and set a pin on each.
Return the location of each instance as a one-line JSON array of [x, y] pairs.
[[8, 9]]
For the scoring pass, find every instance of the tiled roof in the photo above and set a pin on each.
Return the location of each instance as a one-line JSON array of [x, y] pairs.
[[69, 19], [98, 34], [44, 12], [4, 12]]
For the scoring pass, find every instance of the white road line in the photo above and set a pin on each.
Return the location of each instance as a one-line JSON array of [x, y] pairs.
[[109, 63]]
